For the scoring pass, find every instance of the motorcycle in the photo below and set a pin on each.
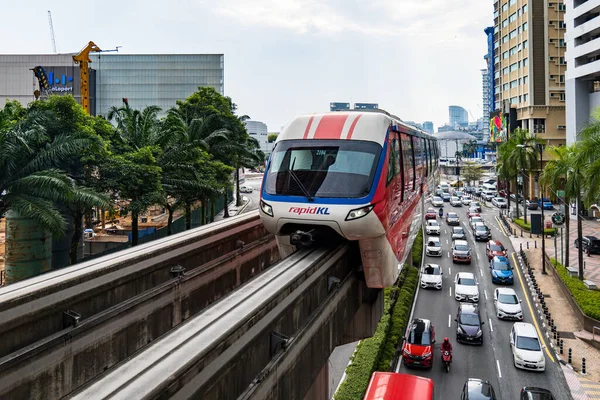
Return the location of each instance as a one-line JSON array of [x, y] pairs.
[[447, 359], [441, 212]]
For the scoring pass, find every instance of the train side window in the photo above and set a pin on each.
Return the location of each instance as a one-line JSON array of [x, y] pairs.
[[393, 161], [408, 162]]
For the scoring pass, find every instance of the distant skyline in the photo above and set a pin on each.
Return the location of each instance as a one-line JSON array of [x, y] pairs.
[[288, 57]]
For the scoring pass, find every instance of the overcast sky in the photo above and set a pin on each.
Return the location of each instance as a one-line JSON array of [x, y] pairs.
[[288, 57]]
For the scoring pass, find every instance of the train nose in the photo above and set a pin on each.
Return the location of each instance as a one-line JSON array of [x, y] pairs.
[[302, 239]]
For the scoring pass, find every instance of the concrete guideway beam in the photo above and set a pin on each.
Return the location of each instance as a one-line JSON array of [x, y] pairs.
[[101, 341], [220, 352], [34, 309]]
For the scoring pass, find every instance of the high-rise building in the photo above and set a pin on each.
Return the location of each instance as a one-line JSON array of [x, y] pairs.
[[458, 116], [491, 73], [258, 130], [529, 68], [583, 63], [485, 92], [428, 127]]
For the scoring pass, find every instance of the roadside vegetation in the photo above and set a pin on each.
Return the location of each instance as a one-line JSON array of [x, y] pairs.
[[57, 162], [587, 299]]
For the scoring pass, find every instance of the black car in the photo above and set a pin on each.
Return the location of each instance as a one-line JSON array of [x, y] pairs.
[[482, 232], [468, 324], [535, 393], [458, 233], [477, 389], [591, 242]]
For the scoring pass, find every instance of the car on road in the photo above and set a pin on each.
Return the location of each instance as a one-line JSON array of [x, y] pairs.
[[432, 227], [459, 194], [452, 218], [535, 393], [477, 389], [494, 248], [446, 196], [476, 204], [461, 252], [433, 247], [589, 242], [465, 287], [474, 220], [477, 191], [455, 201], [246, 189], [526, 347], [481, 232], [437, 201], [514, 197], [439, 192], [444, 186], [466, 200], [431, 276], [500, 202], [531, 205], [473, 212], [547, 204], [431, 214], [458, 233], [418, 349], [488, 195], [501, 271], [507, 304], [468, 324]]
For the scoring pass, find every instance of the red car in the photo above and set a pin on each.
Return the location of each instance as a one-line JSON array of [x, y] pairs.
[[431, 214], [418, 347], [473, 212], [494, 248]]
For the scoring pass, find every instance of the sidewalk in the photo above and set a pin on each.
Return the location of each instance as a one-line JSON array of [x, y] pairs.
[[582, 387]]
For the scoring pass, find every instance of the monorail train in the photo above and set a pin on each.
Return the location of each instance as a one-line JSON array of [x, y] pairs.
[[361, 174]]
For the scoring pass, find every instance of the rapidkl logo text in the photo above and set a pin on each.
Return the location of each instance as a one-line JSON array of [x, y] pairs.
[[309, 210]]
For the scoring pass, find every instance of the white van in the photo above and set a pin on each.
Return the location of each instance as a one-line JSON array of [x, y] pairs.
[[489, 187]]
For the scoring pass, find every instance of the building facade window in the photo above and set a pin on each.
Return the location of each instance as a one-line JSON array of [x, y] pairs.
[[514, 50], [525, 62], [512, 34], [505, 86], [505, 71], [513, 17], [513, 67], [514, 100], [505, 39], [505, 7], [525, 44], [513, 84], [525, 98], [505, 55], [525, 79], [524, 26], [512, 2], [505, 23], [524, 8]]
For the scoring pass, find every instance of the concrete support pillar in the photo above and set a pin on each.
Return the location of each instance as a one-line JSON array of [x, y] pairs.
[[320, 387], [367, 317]]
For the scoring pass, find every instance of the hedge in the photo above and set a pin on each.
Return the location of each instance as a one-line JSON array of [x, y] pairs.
[[400, 314], [587, 299], [376, 352], [527, 227]]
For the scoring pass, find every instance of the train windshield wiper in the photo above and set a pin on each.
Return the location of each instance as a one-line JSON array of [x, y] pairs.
[[298, 182]]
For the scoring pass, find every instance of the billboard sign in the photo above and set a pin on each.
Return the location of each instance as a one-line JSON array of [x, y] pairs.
[[498, 127]]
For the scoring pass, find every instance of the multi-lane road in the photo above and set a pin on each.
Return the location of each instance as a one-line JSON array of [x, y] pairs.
[[493, 361]]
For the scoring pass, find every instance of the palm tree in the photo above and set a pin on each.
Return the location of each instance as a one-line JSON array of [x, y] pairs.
[[557, 173], [29, 183], [137, 128], [505, 169]]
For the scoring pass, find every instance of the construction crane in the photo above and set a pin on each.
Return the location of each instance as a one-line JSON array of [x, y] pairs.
[[52, 32], [83, 59]]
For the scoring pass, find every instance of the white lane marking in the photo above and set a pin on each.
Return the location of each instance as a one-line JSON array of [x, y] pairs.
[[499, 372], [445, 231], [491, 327], [448, 254], [449, 271], [481, 272], [485, 293], [450, 291], [449, 320]]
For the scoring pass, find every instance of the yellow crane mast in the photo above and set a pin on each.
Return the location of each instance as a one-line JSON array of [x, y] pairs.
[[83, 59]]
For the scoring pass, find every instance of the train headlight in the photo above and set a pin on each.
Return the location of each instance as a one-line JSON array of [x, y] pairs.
[[267, 209], [359, 212]]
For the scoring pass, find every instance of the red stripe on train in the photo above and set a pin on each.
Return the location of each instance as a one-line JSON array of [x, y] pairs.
[[308, 127], [331, 126], [351, 131]]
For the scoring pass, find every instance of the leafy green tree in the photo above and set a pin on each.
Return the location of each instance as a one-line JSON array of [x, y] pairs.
[[272, 137], [204, 102], [134, 177], [558, 174], [472, 172]]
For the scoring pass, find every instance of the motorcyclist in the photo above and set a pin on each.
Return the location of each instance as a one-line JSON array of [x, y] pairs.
[[446, 346], [441, 211]]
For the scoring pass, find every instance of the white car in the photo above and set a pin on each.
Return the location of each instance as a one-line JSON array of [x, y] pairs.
[[500, 202], [437, 201], [432, 227], [433, 247], [466, 200], [507, 303], [455, 201], [246, 189], [465, 287], [431, 276], [475, 220], [527, 348]]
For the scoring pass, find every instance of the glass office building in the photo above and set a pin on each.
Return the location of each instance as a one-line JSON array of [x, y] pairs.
[[142, 79]]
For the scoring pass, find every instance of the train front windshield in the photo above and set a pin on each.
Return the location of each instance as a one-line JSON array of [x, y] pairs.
[[322, 168]]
